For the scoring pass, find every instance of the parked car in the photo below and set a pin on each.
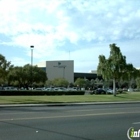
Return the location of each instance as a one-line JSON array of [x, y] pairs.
[[62, 89], [130, 90], [1, 88], [10, 88], [48, 89], [72, 89], [109, 91], [38, 89], [100, 91], [125, 89]]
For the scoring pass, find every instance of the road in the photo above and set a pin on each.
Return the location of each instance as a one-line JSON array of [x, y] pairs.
[[87, 122]]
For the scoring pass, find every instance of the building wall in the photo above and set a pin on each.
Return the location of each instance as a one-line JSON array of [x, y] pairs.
[[88, 76], [60, 69], [65, 69]]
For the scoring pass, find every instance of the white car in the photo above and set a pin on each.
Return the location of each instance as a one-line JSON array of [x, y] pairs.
[[109, 91], [130, 90], [72, 89], [48, 89]]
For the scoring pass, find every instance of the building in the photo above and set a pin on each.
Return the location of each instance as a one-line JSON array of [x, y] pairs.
[[88, 76], [65, 69], [58, 69]]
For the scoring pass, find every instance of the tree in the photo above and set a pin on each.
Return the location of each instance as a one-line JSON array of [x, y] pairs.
[[138, 79], [92, 83], [71, 84], [98, 83], [80, 82], [48, 83], [5, 67], [23, 76], [115, 67], [87, 83], [60, 82], [16, 75], [132, 74], [138, 82]]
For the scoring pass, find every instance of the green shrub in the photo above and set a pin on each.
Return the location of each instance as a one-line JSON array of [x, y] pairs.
[[39, 93], [119, 91]]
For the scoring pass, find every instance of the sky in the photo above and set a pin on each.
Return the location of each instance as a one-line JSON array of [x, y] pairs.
[[78, 30]]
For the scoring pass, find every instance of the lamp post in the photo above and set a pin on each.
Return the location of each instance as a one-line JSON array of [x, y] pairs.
[[32, 47]]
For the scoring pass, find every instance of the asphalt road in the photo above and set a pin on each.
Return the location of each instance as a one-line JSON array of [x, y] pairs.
[[87, 122]]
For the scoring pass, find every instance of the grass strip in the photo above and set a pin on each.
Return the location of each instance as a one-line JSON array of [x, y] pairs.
[[131, 96]]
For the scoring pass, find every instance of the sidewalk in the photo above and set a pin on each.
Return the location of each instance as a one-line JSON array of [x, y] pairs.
[[67, 104]]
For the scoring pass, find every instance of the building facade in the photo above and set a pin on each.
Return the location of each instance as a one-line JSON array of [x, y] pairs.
[[59, 69], [65, 69], [88, 76]]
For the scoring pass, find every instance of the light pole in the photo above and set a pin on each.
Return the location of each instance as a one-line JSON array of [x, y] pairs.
[[32, 47]]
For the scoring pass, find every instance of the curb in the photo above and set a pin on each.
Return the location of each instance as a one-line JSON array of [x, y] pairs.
[[67, 104]]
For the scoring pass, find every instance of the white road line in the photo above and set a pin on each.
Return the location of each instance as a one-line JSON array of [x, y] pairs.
[[136, 123]]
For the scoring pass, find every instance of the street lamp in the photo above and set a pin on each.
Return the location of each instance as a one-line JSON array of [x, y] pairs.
[[32, 47]]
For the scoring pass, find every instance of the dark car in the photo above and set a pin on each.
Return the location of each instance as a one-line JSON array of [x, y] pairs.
[[100, 91], [1, 88]]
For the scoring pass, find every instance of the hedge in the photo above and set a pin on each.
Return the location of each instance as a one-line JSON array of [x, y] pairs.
[[39, 93]]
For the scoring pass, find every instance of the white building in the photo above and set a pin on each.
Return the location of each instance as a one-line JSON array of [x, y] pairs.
[[59, 69], [93, 71]]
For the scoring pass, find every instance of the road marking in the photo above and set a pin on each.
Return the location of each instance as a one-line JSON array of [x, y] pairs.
[[17, 113], [136, 123], [69, 116], [86, 110]]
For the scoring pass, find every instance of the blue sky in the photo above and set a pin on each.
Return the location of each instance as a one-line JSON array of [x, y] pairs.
[[78, 30]]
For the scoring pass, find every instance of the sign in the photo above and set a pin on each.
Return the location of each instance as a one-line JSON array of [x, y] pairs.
[[132, 134]]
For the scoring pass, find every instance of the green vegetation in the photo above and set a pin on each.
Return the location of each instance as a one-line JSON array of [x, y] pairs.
[[115, 67], [39, 93], [112, 72], [26, 75], [58, 82], [5, 67], [138, 82], [80, 82], [131, 96]]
